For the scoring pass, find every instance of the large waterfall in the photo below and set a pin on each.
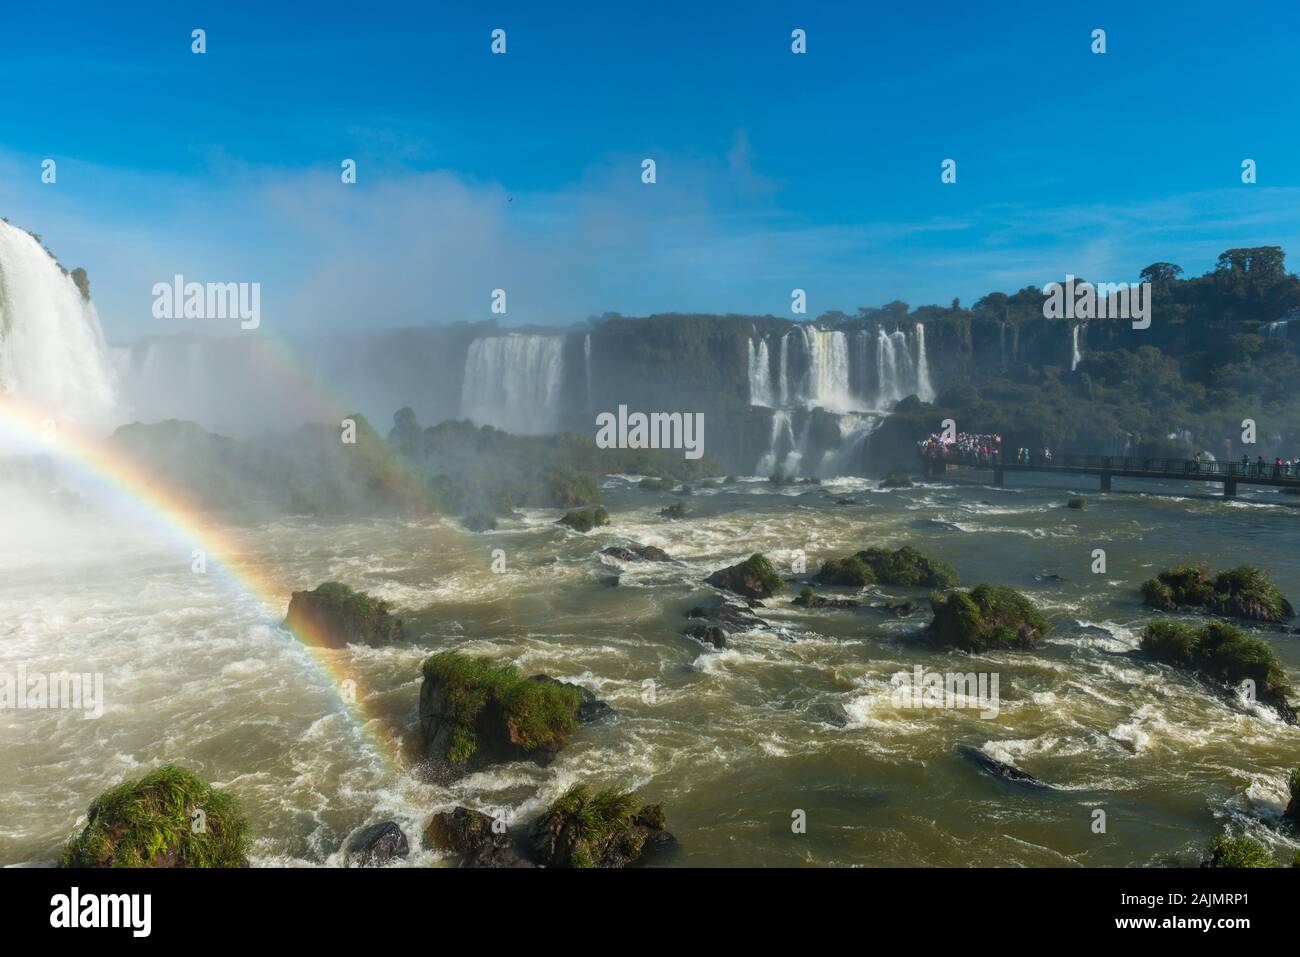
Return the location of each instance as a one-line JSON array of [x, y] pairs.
[[1076, 353], [52, 351], [513, 382], [760, 375], [858, 375]]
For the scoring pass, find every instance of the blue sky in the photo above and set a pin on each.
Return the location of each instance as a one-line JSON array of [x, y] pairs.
[[522, 171]]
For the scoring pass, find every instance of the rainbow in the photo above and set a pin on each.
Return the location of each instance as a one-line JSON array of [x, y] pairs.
[[186, 522]]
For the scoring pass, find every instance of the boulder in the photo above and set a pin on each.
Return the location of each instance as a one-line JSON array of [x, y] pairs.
[[905, 566], [806, 599], [151, 822], [377, 844], [475, 713], [600, 829], [729, 616], [1241, 592], [1224, 655], [710, 635], [999, 769], [755, 577], [471, 836], [584, 519], [336, 615], [988, 617]]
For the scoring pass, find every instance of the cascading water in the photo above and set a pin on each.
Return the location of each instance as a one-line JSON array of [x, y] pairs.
[[52, 350], [782, 439], [1076, 354], [760, 375], [924, 390], [785, 369], [513, 382], [826, 383], [586, 363]]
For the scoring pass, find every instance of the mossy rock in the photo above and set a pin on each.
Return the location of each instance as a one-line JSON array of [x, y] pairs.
[[480, 522], [1076, 502], [475, 712], [755, 577], [169, 818], [336, 615], [676, 510], [584, 520], [905, 566], [896, 479], [1293, 785], [1238, 852], [988, 617], [1224, 654], [656, 484], [1242, 592], [604, 829]]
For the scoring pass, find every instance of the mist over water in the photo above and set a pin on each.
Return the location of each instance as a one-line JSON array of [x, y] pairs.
[[52, 350], [799, 716]]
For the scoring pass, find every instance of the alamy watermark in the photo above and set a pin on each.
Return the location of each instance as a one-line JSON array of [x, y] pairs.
[[951, 690], [654, 430], [211, 300], [59, 690], [1105, 300]]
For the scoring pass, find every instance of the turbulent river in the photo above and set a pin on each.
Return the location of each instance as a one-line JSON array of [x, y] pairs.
[[801, 718]]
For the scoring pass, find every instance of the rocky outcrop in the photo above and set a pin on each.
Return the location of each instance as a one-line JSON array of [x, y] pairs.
[[710, 635], [473, 836], [600, 829], [806, 599], [755, 577], [1242, 592], [1293, 808], [475, 713], [1226, 656], [377, 844], [986, 618], [335, 615], [637, 553], [999, 769], [584, 519], [905, 566], [169, 818]]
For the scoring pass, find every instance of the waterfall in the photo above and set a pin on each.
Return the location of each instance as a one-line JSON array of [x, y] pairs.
[[785, 369], [1276, 329], [826, 383], [924, 390], [760, 375], [52, 350], [782, 437], [513, 382], [586, 362], [1076, 354]]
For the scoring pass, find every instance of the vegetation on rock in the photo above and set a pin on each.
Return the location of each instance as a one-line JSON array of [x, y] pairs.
[[465, 700], [583, 828], [755, 577], [336, 615], [1077, 501], [1241, 592], [896, 479], [988, 617], [905, 566], [676, 510], [584, 520], [1222, 653], [1238, 852], [169, 818]]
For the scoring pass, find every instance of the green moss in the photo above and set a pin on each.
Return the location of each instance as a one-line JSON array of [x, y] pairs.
[[584, 520], [1293, 784], [905, 566], [598, 816], [896, 479], [675, 510], [1241, 592], [151, 822], [986, 617], [1219, 652], [1238, 852], [537, 713], [805, 597], [1077, 501]]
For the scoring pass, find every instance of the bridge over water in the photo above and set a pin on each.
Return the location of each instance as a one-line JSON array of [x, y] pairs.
[[1106, 468]]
